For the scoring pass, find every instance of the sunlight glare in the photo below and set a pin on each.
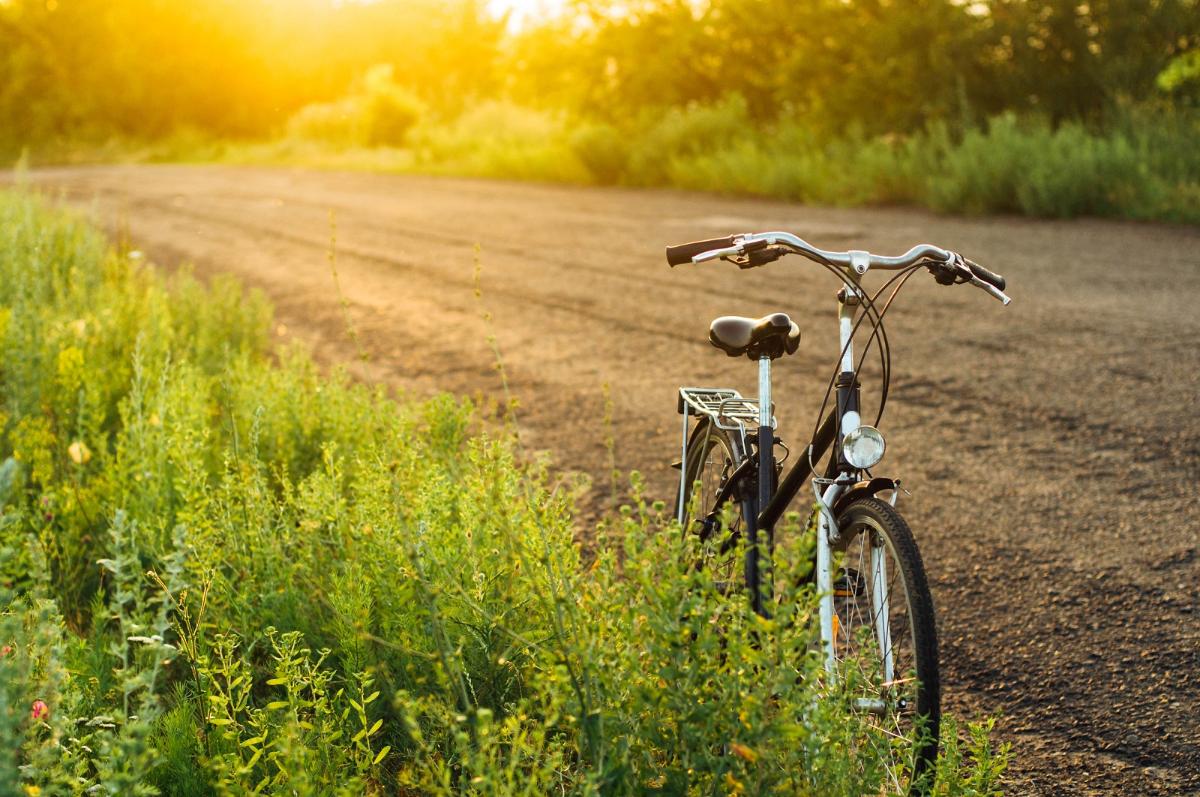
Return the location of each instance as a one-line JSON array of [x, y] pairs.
[[524, 11]]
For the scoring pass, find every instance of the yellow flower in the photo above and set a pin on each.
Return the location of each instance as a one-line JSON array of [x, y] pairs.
[[735, 785], [743, 752], [79, 453], [33, 791], [69, 369]]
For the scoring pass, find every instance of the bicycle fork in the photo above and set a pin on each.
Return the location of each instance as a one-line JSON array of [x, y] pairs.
[[826, 529], [827, 533]]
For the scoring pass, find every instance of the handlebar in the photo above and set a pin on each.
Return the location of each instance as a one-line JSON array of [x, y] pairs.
[[989, 277], [685, 253], [947, 267]]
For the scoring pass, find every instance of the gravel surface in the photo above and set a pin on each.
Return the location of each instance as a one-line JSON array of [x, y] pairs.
[[1051, 447]]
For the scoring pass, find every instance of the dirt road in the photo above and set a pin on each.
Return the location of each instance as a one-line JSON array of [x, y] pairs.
[[1052, 447]]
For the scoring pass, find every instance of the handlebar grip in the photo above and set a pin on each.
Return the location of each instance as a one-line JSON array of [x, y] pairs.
[[982, 273], [683, 253]]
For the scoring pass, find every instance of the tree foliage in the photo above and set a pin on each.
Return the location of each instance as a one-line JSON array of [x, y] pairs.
[[90, 69]]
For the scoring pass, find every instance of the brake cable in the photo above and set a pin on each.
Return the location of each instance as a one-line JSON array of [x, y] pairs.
[[878, 331], [869, 311], [886, 384]]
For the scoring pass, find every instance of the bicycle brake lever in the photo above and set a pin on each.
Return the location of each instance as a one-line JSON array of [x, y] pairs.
[[1004, 298], [955, 271], [742, 253], [716, 254]]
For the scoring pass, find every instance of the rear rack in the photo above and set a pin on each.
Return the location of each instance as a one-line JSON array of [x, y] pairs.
[[728, 409]]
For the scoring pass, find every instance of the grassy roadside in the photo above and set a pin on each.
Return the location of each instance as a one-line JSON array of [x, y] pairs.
[[1143, 164], [222, 572]]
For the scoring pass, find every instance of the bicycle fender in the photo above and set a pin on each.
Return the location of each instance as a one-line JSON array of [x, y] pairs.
[[861, 489]]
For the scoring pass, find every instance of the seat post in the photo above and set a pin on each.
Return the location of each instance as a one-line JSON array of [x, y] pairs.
[[766, 487], [764, 391]]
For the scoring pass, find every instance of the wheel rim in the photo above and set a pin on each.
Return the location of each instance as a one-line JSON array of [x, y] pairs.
[[882, 677]]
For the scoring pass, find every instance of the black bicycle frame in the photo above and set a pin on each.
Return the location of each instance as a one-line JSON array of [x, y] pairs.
[[772, 500], [798, 475]]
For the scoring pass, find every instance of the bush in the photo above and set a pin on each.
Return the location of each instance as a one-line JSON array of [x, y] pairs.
[[667, 139], [1134, 169], [337, 123], [1075, 173], [378, 113], [500, 139], [602, 149], [389, 110]]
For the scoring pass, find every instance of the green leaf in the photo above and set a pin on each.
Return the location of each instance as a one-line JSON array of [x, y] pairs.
[[380, 756], [9, 473], [372, 698], [375, 727]]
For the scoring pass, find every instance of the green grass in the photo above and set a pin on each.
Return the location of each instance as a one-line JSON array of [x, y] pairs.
[[1141, 164], [222, 572]]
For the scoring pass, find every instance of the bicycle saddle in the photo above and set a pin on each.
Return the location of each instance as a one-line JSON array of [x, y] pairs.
[[771, 336]]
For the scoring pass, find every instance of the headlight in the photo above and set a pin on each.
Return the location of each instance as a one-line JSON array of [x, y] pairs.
[[863, 447]]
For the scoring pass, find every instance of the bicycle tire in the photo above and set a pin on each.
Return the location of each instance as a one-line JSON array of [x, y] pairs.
[[712, 458], [912, 699]]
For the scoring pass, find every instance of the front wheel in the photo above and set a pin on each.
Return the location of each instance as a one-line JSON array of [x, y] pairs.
[[885, 640]]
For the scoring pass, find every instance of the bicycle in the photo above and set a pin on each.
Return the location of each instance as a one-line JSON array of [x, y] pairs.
[[731, 494]]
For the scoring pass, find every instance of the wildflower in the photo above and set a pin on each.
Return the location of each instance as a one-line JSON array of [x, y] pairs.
[[32, 790], [79, 453], [39, 710], [743, 752], [4, 651]]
